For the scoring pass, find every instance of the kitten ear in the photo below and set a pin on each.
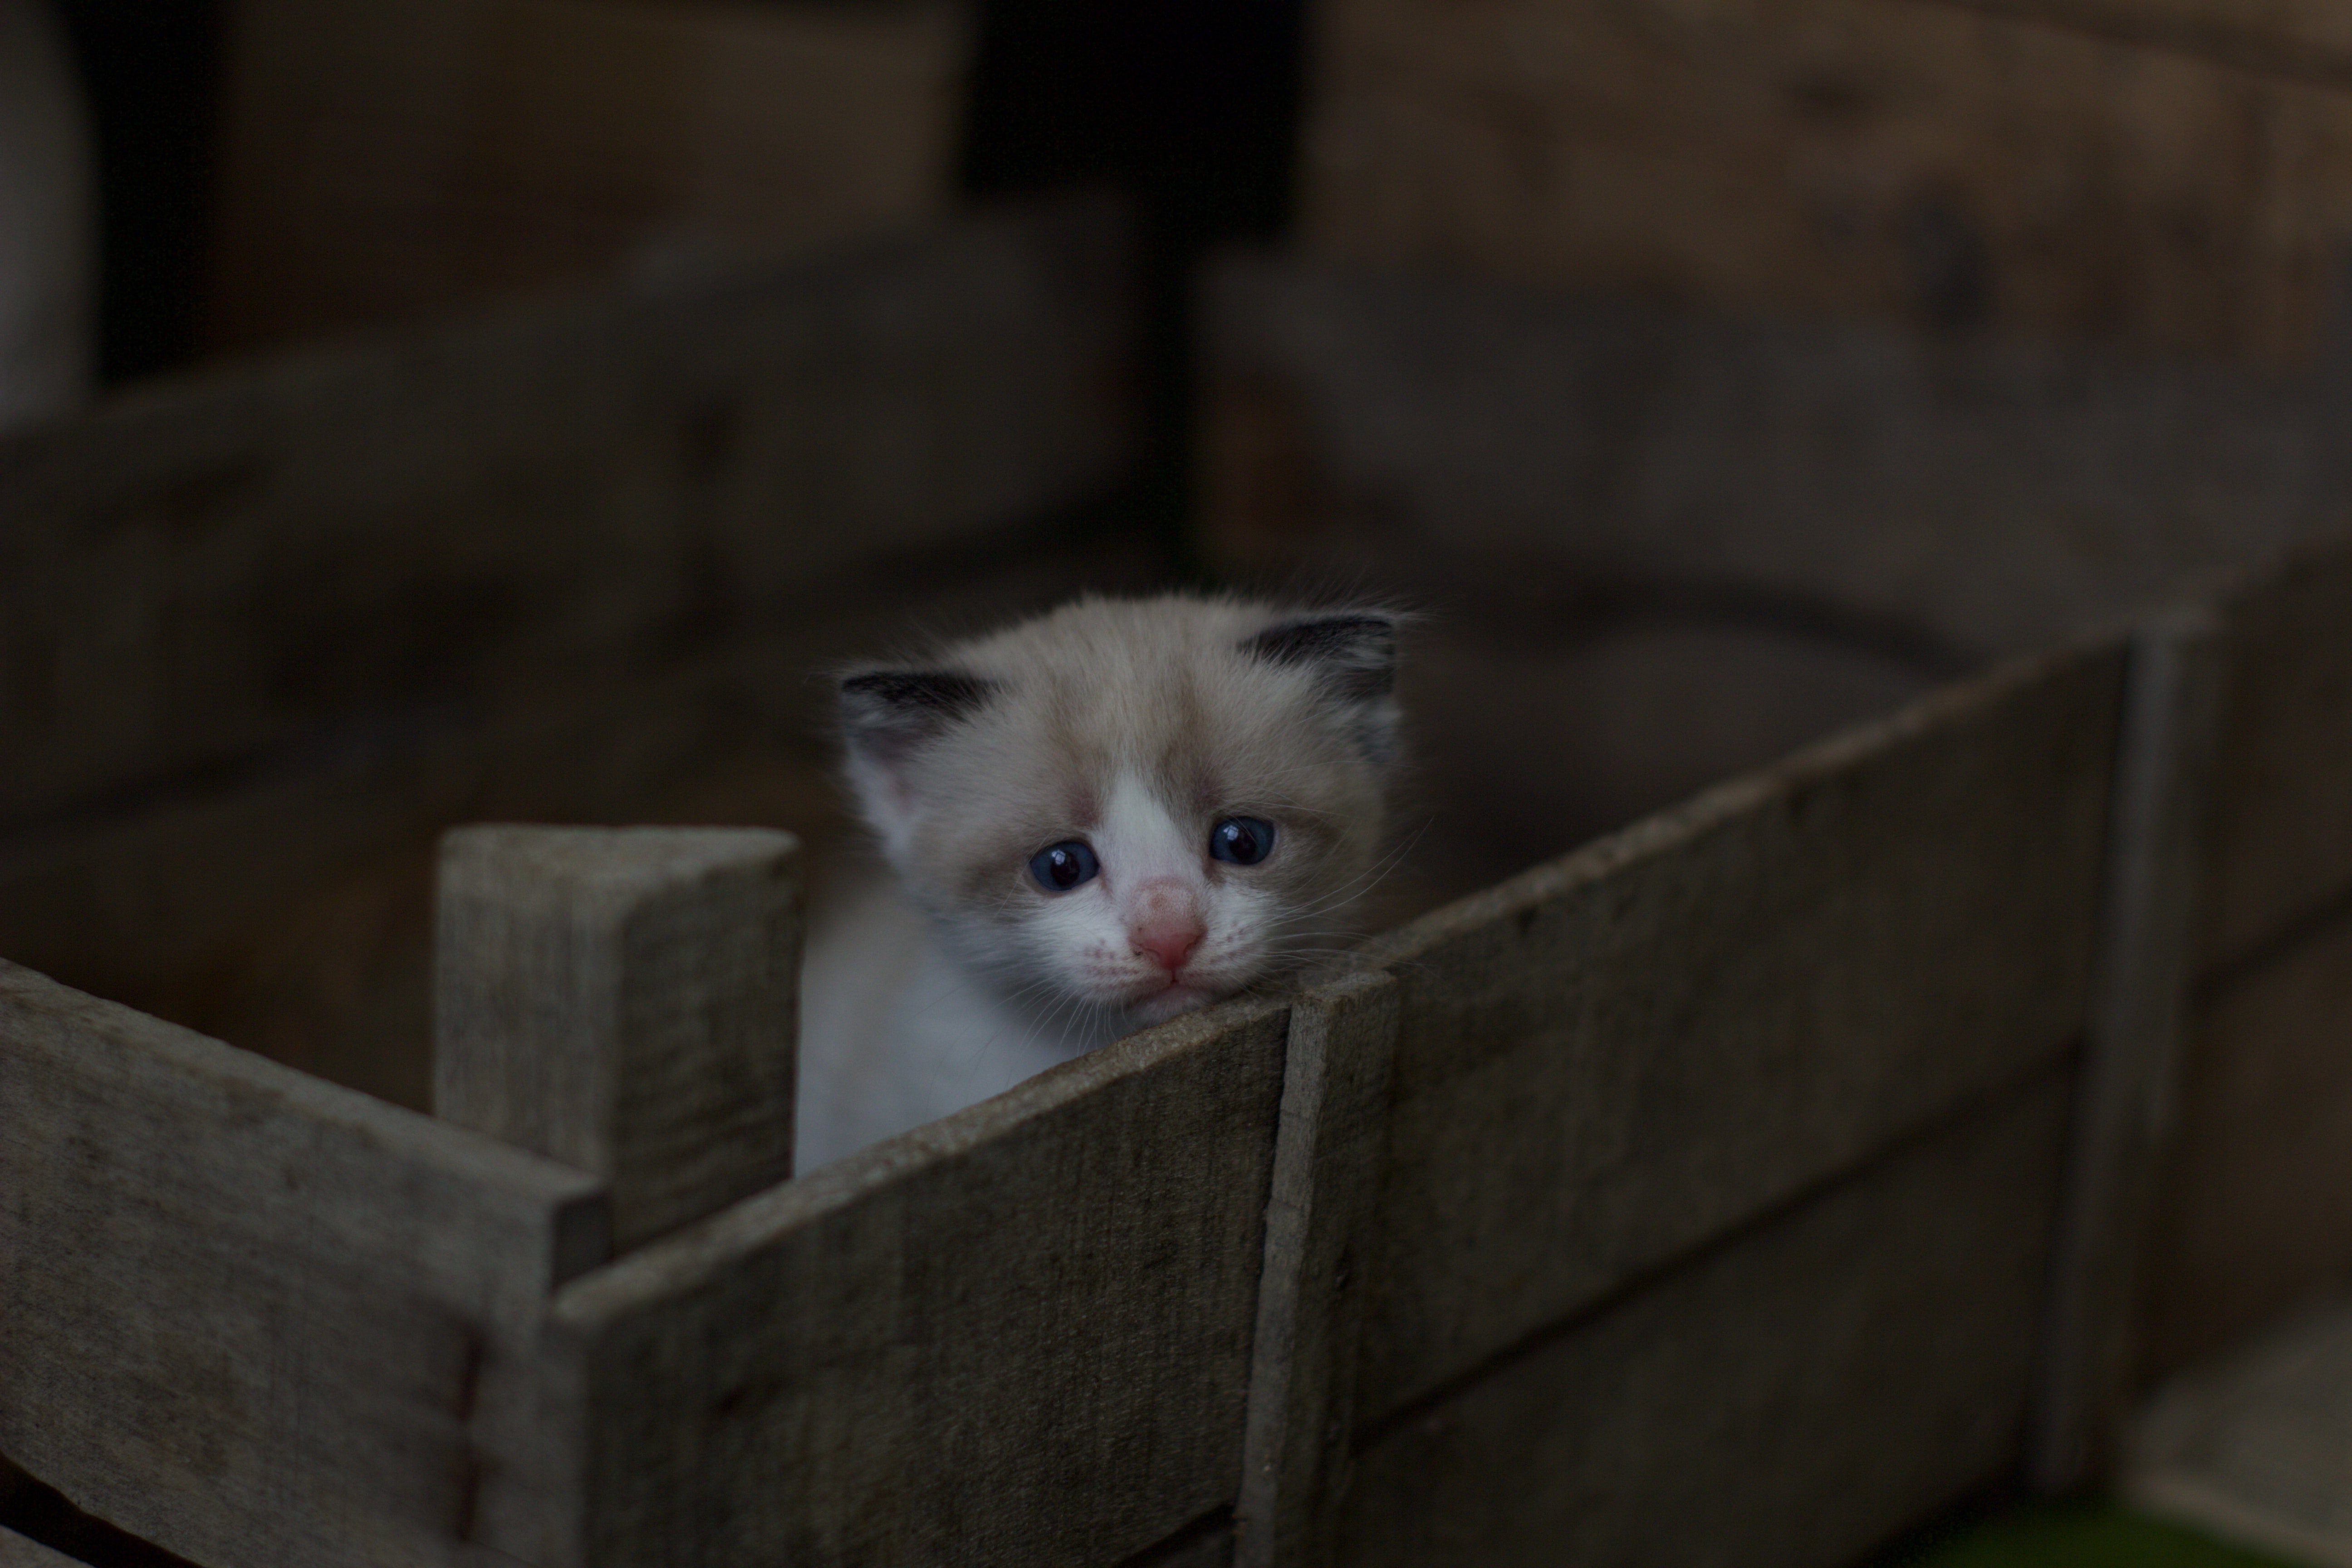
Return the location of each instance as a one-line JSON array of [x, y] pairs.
[[1353, 654], [886, 716], [1353, 651]]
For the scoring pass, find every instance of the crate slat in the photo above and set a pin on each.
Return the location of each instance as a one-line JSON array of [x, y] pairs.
[[257, 1318], [1035, 1317], [2255, 1215], [2280, 841], [625, 1001], [1792, 1399], [529, 499], [1610, 1058]]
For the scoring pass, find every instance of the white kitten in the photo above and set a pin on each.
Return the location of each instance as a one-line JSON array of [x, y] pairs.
[[1098, 819]]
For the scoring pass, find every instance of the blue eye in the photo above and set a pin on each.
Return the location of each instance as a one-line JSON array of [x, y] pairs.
[[1243, 840], [1064, 866]]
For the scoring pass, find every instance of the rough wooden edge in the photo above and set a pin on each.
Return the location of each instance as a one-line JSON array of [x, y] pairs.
[[21, 1551], [1327, 1155], [684, 1259], [2139, 1007], [583, 1239], [627, 1001]]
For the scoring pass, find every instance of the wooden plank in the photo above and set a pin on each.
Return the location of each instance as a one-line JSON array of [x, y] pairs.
[[1617, 1056], [1950, 165], [2255, 1217], [1020, 1334], [382, 161], [15, 1551], [2280, 845], [1564, 460], [317, 551], [1319, 1232], [625, 1001], [2254, 1446], [258, 1319], [1795, 1396], [288, 909], [2139, 1007]]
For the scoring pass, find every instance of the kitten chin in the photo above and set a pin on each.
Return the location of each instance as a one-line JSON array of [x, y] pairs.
[[1095, 820]]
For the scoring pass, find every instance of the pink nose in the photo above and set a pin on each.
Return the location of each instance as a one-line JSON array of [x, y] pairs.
[[1169, 945]]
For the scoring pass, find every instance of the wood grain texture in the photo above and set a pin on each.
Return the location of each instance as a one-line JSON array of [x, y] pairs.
[[1617, 1056], [1793, 1398], [289, 908], [2280, 850], [260, 1320], [321, 553], [15, 1551], [1571, 458], [383, 160], [625, 1001], [1020, 1334], [2257, 1195], [2140, 1002], [1318, 1234], [1950, 165]]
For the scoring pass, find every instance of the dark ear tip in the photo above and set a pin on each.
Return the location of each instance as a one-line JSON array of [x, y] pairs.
[[909, 700]]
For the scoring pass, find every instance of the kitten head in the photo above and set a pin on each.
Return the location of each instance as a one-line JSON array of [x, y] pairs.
[[1141, 805]]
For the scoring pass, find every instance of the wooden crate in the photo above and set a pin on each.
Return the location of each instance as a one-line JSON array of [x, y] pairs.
[[2175, 174], [1700, 1191], [268, 630], [1745, 1185]]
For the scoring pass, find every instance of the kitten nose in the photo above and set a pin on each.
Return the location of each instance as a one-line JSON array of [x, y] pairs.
[[1166, 925], [1169, 945]]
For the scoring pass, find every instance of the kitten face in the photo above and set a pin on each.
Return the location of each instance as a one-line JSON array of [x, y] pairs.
[[1125, 809]]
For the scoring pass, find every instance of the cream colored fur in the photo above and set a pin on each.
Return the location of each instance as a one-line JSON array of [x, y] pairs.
[[1133, 726]]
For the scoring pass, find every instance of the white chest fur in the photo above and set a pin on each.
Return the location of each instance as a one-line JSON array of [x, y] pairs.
[[894, 1033]]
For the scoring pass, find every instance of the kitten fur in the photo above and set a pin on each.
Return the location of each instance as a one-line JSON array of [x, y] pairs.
[[1133, 726]]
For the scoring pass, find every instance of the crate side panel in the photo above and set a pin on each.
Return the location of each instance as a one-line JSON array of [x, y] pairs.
[[2279, 846], [2257, 1198], [1020, 1334], [538, 497], [1600, 461], [259, 1320], [1795, 1398], [1620, 1054]]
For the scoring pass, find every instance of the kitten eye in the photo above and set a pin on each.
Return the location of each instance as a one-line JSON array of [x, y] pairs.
[[1064, 866], [1243, 840]]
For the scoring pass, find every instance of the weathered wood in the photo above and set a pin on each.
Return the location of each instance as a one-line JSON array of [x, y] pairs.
[[15, 1551], [288, 909], [1615, 1057], [1791, 1398], [1020, 1334], [2254, 1213], [1319, 1232], [378, 161], [1552, 460], [329, 551], [2256, 1446], [625, 1001], [1947, 165], [2280, 845], [258, 1319], [2139, 1005]]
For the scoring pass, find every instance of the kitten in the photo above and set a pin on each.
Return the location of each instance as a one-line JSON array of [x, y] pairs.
[[1098, 819]]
